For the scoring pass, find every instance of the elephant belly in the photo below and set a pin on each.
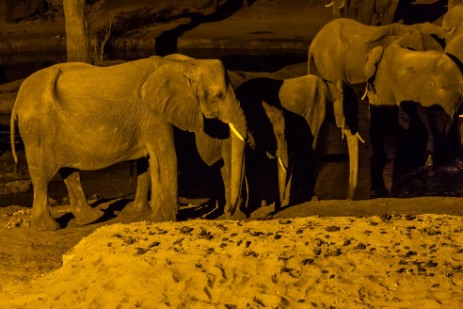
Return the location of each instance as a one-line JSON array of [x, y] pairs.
[[56, 146], [100, 148]]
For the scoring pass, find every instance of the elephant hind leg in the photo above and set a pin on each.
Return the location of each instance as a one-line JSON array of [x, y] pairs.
[[80, 208], [140, 204], [41, 218]]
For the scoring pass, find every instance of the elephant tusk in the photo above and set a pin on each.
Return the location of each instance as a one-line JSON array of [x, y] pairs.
[[365, 93], [235, 131], [281, 164], [360, 138], [329, 4]]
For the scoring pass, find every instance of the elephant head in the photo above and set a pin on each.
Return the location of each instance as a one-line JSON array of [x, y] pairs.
[[453, 17], [337, 7], [201, 89]]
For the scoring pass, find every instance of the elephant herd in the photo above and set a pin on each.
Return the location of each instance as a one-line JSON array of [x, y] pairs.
[[75, 116]]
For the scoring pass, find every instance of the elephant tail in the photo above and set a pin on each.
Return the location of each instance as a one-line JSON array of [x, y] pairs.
[[12, 136]]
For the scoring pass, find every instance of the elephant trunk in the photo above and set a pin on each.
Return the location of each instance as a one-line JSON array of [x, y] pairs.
[[238, 133], [353, 148]]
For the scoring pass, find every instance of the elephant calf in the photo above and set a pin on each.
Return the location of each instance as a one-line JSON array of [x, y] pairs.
[[75, 116]]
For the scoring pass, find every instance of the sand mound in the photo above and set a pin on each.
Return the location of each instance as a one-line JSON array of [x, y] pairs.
[[288, 263]]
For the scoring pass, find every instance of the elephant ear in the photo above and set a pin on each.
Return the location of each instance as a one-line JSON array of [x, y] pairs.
[[371, 62], [169, 93]]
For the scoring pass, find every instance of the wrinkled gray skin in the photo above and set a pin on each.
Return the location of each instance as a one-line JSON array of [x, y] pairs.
[[396, 75], [339, 49], [75, 116], [307, 96], [368, 12]]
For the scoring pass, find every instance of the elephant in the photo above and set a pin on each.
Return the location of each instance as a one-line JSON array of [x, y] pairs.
[[427, 82], [75, 116], [369, 12], [453, 17], [453, 3], [266, 126], [306, 102], [339, 49], [213, 144]]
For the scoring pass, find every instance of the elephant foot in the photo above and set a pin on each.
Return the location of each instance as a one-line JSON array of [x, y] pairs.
[[44, 222], [429, 161], [161, 214], [137, 208], [237, 215], [87, 215], [379, 192]]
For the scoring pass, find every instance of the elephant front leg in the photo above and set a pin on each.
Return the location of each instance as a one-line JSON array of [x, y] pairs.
[[163, 171], [41, 218], [80, 208], [379, 155]]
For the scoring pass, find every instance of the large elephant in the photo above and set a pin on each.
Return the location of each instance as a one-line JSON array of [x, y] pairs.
[[213, 144], [306, 101], [339, 49], [266, 125], [369, 12], [427, 81], [75, 116]]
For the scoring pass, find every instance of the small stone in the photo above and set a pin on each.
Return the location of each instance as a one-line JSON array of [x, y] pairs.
[[308, 261], [410, 253], [347, 242], [431, 263], [386, 217], [332, 228], [285, 221], [186, 229], [360, 246]]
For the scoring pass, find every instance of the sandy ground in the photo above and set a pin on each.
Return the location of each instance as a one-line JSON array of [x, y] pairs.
[[393, 260]]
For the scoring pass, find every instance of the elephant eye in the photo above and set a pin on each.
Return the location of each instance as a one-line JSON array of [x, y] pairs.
[[220, 96]]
